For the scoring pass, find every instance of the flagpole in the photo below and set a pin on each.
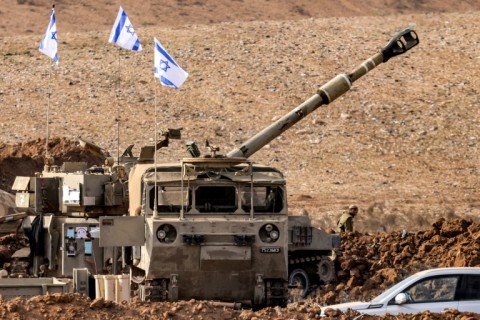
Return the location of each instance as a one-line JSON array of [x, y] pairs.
[[48, 46], [49, 93], [125, 37], [175, 79], [118, 108], [155, 202], [49, 90]]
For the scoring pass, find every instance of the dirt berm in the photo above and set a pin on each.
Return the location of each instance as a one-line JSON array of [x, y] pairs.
[[75, 306]]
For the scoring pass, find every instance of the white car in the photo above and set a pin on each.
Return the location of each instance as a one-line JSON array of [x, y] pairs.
[[434, 290]]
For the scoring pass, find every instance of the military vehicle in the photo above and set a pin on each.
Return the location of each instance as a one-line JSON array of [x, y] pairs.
[[213, 227]]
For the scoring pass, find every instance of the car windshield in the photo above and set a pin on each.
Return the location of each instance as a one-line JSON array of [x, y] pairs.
[[386, 293]]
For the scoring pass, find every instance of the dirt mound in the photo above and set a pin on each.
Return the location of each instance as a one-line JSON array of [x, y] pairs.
[[73, 306], [8, 245], [370, 264], [24, 159]]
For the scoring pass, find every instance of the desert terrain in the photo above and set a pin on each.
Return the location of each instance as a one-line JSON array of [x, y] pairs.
[[403, 144]]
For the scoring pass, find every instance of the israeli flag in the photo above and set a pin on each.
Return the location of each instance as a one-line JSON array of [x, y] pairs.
[[123, 33], [48, 45], [166, 69]]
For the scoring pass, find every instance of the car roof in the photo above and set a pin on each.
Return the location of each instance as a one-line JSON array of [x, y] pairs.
[[449, 270], [405, 283]]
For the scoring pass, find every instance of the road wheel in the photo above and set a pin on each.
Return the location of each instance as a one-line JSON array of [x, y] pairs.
[[298, 284], [326, 270]]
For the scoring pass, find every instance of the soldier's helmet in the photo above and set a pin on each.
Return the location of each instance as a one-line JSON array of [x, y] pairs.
[[353, 209]]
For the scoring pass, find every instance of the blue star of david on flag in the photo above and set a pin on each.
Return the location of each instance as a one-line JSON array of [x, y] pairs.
[[48, 45], [164, 65], [123, 33], [166, 69], [130, 30]]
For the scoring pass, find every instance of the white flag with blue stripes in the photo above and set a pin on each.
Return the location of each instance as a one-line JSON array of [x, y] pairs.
[[123, 33], [48, 45], [166, 69]]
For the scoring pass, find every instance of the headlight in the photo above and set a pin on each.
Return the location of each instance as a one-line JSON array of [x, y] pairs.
[[166, 233], [274, 235], [161, 234], [269, 233]]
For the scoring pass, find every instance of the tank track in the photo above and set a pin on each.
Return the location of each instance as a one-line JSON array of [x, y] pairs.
[[320, 268], [304, 260], [154, 290], [276, 292]]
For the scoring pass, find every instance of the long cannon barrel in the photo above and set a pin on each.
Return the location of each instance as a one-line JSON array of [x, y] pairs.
[[400, 43]]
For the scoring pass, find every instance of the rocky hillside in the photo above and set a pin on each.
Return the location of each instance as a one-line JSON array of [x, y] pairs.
[[403, 144], [23, 17]]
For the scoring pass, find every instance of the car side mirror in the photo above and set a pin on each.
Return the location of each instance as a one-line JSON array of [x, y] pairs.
[[401, 298]]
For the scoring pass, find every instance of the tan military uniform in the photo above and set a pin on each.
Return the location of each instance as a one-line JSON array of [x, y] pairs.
[[345, 223]]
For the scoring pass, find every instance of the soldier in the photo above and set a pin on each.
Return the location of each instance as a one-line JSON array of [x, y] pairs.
[[345, 223]]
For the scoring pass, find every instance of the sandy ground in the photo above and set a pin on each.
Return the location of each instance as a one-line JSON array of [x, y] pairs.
[[402, 144]]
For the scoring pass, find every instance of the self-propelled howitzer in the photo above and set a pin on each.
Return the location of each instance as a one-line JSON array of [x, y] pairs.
[[234, 224], [213, 228]]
